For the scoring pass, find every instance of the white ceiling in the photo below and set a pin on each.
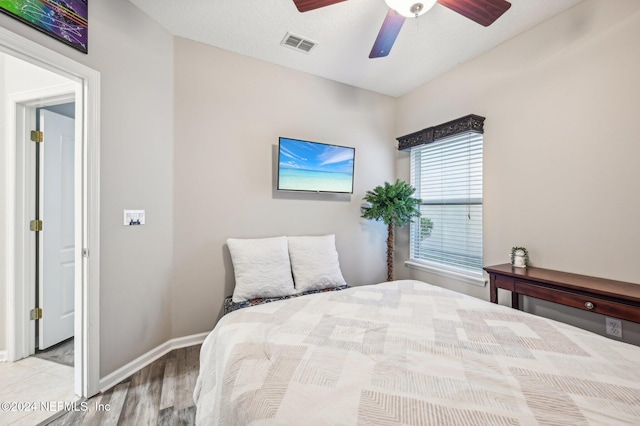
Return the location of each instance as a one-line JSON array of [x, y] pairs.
[[426, 47]]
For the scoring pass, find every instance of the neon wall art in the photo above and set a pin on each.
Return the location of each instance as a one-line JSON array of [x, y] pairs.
[[65, 20]]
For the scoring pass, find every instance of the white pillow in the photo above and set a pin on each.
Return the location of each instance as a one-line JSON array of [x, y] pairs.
[[314, 262], [261, 267]]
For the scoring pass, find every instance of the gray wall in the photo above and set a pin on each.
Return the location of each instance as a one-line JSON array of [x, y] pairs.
[[230, 110], [561, 148], [135, 58], [561, 152]]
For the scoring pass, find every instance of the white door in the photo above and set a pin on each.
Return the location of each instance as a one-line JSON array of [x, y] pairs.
[[56, 283]]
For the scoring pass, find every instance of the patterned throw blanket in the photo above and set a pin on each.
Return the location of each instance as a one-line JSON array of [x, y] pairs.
[[410, 353]]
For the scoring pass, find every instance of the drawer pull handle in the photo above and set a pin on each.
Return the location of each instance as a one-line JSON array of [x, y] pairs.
[[588, 305]]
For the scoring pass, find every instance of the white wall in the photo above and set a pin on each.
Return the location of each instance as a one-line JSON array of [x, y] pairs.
[[3, 298], [135, 58], [561, 145], [230, 110]]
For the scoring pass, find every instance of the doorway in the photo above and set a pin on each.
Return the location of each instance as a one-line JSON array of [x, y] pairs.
[[20, 267], [42, 110]]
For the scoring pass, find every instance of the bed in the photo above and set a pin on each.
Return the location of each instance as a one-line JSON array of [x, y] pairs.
[[406, 352]]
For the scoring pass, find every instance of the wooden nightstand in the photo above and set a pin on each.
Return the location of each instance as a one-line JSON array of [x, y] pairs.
[[608, 297]]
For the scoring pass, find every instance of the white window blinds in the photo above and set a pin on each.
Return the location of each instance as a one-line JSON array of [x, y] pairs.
[[447, 175]]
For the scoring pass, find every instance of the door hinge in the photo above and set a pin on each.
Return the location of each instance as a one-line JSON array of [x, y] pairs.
[[37, 136], [35, 225], [36, 314]]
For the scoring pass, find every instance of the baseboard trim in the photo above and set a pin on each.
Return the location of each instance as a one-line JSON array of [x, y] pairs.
[[3, 356], [142, 361]]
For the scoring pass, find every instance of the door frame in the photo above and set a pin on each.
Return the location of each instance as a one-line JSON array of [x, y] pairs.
[[87, 210]]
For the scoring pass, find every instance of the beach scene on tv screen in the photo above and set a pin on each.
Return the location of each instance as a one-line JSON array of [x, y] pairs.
[[310, 166]]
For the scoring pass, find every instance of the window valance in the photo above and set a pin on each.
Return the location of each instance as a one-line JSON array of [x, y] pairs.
[[468, 123]]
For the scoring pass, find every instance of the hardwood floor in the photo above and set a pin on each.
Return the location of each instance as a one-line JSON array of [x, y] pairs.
[[34, 381], [159, 394]]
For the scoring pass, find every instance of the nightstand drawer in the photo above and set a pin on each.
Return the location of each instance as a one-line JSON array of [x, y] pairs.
[[584, 302]]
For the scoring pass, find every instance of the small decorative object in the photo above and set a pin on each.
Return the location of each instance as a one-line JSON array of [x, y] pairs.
[[63, 20], [519, 257]]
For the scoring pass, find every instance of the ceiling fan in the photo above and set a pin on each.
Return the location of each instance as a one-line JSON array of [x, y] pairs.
[[484, 12]]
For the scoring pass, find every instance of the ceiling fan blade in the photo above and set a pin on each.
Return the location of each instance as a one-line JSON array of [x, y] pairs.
[[307, 5], [387, 35], [484, 12]]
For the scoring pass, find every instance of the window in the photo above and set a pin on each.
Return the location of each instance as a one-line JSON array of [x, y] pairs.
[[447, 175]]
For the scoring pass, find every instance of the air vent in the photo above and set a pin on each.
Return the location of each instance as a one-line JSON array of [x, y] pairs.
[[298, 43]]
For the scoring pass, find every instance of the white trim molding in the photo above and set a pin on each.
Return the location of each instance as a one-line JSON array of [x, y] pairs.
[[3, 356], [142, 361], [20, 174], [480, 281]]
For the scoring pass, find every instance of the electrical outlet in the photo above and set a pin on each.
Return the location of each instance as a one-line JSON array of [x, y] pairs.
[[614, 326], [133, 217]]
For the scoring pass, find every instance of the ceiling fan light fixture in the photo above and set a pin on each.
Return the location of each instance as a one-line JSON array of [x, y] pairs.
[[411, 8]]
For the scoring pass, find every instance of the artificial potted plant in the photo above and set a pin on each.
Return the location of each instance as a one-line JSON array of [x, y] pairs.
[[394, 205]]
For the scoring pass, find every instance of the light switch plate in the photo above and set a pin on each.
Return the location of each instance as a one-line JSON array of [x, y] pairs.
[[133, 217]]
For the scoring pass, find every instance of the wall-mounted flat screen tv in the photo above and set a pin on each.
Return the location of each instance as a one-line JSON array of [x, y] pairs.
[[315, 167]]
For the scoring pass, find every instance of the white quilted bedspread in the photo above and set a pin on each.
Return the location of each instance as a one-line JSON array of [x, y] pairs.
[[406, 352]]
